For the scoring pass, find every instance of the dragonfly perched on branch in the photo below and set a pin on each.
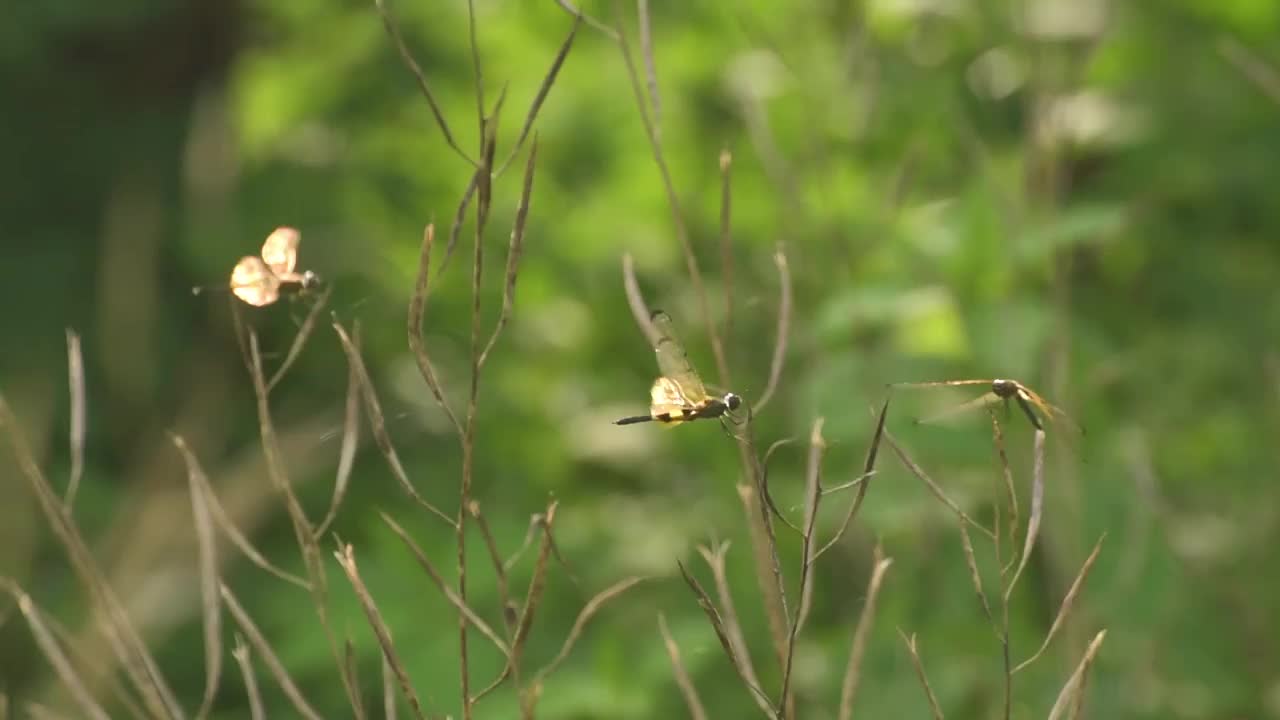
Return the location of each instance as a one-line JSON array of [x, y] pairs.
[[1002, 390], [678, 395]]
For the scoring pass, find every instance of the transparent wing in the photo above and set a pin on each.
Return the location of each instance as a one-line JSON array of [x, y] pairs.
[[280, 252], [253, 282], [673, 362], [940, 383], [986, 400]]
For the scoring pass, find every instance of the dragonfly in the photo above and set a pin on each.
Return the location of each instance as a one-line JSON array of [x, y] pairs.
[[260, 280], [1036, 408], [678, 394]]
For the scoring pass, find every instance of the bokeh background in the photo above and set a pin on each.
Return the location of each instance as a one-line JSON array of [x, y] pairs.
[[1079, 194]]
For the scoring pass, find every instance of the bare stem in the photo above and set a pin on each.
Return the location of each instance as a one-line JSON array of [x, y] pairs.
[[393, 30], [687, 689], [783, 332]]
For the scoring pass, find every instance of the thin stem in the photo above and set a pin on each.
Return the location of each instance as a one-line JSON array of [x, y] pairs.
[[393, 30], [673, 201]]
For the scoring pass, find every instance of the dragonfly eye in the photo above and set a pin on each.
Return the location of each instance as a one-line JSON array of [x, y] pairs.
[[732, 401], [310, 279]]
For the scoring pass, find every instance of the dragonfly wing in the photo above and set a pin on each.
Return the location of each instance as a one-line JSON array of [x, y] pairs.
[[280, 252], [253, 282], [985, 400], [667, 398], [939, 383], [673, 362], [1053, 413]]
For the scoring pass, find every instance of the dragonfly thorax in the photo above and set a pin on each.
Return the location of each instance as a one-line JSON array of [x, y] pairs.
[[1004, 388]]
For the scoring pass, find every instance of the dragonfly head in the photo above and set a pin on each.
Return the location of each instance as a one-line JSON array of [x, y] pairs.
[[731, 401], [310, 280], [1004, 388]]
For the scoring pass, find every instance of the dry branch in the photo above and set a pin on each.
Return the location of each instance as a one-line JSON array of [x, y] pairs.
[[75, 383], [858, 648], [263, 647], [346, 558], [685, 683]]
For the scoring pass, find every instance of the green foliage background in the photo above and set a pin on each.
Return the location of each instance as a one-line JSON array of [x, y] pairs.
[[1076, 194]]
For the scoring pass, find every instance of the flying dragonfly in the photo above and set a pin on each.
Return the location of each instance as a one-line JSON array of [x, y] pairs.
[[1002, 390], [259, 281], [678, 394]]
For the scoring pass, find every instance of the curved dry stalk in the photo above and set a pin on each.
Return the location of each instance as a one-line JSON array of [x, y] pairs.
[[924, 679], [726, 239], [350, 438], [847, 485], [971, 561], [417, 309], [534, 595], [378, 424], [300, 339], [484, 174], [783, 332], [499, 569], [223, 519], [91, 665], [650, 67], [1074, 688], [868, 469], [543, 90], [635, 300], [302, 528], [934, 488], [813, 495], [997, 437], [484, 191], [717, 624], [584, 616], [733, 628], [535, 522], [206, 546], [437, 580], [394, 31], [1068, 602], [590, 21], [263, 648], [52, 651], [75, 383], [476, 70], [459, 217], [683, 681], [1255, 69], [858, 648], [1037, 509], [347, 559], [673, 200], [764, 484], [304, 531], [351, 673], [764, 546], [388, 690], [241, 653], [126, 644], [514, 252]]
